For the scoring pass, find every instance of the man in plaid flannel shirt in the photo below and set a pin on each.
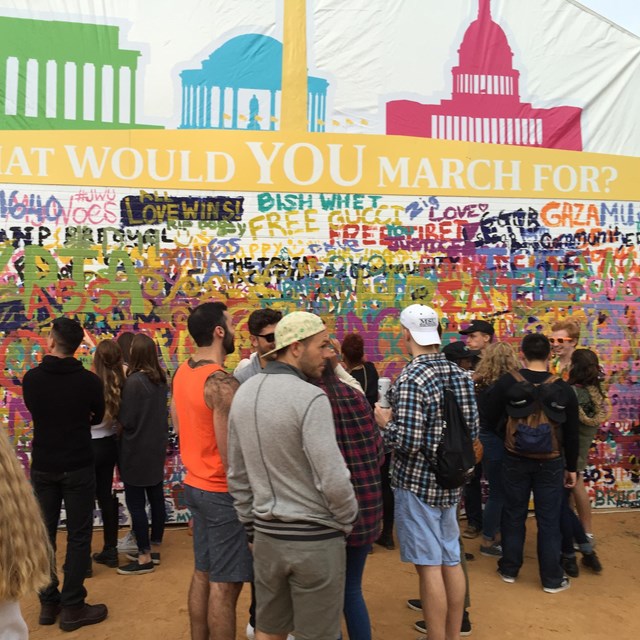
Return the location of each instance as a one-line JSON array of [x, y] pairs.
[[426, 514]]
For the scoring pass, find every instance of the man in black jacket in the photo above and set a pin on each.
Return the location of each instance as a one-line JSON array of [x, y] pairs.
[[524, 470], [64, 400]]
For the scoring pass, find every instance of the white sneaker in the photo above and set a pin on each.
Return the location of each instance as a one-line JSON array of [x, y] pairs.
[[251, 633], [127, 544], [564, 585]]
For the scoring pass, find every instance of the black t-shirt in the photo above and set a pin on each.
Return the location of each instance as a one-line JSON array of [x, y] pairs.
[[494, 404], [367, 376]]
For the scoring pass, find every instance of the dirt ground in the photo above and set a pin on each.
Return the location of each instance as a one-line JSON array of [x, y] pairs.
[[153, 606]]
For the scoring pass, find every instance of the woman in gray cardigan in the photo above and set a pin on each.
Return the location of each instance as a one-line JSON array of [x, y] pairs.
[[143, 447]]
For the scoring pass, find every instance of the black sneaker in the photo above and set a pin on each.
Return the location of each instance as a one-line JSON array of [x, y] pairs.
[[564, 585], [135, 568], [570, 566], [81, 615], [416, 605], [591, 561], [420, 626], [465, 627], [107, 556], [494, 549], [507, 578], [155, 557]]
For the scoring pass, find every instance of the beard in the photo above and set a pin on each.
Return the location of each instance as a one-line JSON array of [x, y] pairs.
[[228, 343], [311, 369]]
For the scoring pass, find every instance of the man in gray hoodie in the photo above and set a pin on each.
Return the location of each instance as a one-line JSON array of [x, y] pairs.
[[291, 486]]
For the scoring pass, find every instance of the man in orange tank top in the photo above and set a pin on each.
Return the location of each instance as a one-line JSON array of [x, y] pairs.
[[202, 394]]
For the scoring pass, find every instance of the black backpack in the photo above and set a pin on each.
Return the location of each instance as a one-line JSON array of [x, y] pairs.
[[455, 457]]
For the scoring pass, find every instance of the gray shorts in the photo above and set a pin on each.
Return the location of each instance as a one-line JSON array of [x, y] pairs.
[[220, 542], [299, 586]]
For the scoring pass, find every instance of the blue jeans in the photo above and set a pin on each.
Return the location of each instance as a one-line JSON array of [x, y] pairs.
[[135, 498], [355, 608], [572, 529], [546, 479], [492, 465], [77, 489]]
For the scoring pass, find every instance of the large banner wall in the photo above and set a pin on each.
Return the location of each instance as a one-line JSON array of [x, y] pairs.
[[478, 158]]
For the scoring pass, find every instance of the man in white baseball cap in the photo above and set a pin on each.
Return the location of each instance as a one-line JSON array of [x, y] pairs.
[[422, 323], [426, 514]]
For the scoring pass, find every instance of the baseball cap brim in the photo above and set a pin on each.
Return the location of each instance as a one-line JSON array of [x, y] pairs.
[[295, 327]]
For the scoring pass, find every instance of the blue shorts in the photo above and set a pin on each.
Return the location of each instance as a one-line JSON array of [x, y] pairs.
[[428, 536], [220, 542]]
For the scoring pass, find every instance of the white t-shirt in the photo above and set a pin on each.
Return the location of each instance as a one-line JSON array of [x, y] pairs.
[[12, 624]]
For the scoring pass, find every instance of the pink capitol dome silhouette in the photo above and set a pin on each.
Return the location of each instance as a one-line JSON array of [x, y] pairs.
[[485, 103]]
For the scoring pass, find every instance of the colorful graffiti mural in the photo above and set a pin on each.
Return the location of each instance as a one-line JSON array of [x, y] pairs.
[[120, 262], [128, 230]]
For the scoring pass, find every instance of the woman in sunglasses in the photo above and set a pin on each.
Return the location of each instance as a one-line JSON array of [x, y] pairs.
[[564, 340]]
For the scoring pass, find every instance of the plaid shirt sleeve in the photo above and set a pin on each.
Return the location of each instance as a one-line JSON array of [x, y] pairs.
[[407, 432], [466, 396]]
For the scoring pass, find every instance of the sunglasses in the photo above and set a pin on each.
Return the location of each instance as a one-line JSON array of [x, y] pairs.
[[269, 337], [560, 340]]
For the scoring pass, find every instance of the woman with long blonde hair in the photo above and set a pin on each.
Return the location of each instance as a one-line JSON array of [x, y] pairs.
[[108, 366], [498, 358], [25, 554]]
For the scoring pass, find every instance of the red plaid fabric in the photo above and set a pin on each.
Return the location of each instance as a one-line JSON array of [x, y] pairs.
[[361, 445]]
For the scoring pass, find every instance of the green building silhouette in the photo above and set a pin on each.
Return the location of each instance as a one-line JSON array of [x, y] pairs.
[[65, 75]]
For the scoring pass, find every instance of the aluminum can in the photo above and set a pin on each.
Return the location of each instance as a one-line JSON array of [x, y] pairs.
[[383, 387]]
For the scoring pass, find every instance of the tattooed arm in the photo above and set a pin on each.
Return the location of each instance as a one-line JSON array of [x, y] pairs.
[[219, 390]]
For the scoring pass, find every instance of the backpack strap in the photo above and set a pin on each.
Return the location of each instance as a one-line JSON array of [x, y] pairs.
[[551, 379], [517, 375]]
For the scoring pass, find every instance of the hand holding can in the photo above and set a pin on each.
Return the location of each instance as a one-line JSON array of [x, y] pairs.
[[383, 387]]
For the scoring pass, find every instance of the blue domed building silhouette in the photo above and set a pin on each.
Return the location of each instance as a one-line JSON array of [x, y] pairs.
[[239, 86]]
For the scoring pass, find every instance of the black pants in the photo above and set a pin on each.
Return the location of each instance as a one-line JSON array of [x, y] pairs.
[[135, 497], [472, 493], [105, 451], [387, 497], [77, 489]]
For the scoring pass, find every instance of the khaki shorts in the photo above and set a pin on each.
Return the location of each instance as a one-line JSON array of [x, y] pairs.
[[299, 586]]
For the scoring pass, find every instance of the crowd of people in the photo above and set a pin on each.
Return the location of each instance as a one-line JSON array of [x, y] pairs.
[[294, 468]]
